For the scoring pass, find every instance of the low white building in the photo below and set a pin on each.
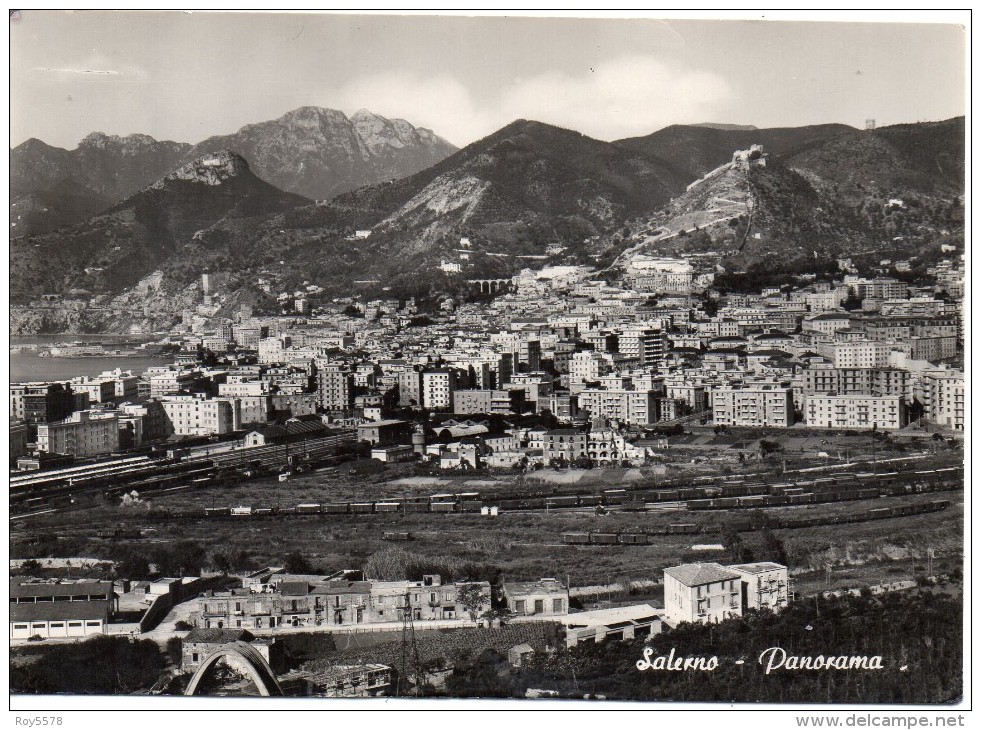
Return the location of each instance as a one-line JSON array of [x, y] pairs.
[[709, 592]]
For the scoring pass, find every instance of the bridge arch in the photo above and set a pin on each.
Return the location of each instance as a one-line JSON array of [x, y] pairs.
[[258, 669]]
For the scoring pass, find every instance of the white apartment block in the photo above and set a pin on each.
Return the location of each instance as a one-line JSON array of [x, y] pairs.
[[701, 593], [437, 390], [753, 405], [84, 433], [861, 354], [589, 366], [947, 400], [648, 346], [709, 592], [886, 412], [632, 407], [192, 415]]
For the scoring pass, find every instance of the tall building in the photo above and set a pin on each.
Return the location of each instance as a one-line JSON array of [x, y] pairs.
[[754, 405], [886, 412], [632, 407], [410, 387], [44, 402], [85, 433], [195, 415], [437, 389], [947, 400], [335, 387], [647, 346]]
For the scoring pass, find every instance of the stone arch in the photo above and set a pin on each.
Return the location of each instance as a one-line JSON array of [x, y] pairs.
[[259, 670]]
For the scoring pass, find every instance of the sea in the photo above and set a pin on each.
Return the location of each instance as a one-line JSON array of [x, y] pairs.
[[26, 366]]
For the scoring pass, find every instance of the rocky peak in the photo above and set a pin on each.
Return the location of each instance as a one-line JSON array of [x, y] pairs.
[[211, 169]]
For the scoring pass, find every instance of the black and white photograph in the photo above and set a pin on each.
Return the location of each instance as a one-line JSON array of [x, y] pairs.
[[452, 360]]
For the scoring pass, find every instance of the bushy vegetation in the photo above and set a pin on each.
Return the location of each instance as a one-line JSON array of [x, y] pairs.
[[102, 665]]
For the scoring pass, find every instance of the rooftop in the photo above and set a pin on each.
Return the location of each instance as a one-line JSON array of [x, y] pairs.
[[757, 567], [699, 574]]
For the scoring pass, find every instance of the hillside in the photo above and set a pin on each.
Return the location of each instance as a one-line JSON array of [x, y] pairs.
[[117, 248], [896, 188], [693, 150]]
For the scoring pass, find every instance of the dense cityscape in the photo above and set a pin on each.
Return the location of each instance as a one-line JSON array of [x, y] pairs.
[[331, 408]]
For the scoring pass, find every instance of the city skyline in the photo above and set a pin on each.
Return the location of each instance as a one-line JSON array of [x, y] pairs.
[[180, 76]]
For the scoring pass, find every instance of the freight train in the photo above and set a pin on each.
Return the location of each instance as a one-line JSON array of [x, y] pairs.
[[652, 536]]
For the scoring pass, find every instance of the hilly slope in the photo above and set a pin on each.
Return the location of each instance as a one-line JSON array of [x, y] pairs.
[[693, 150], [319, 152], [117, 248], [894, 189]]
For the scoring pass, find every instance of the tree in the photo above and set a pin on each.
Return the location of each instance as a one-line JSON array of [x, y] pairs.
[[30, 567], [473, 599], [296, 563]]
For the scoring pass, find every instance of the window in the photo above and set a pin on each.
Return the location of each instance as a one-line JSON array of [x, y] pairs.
[[194, 657], [539, 605], [57, 624], [74, 624], [20, 627], [557, 605], [93, 623], [519, 606]]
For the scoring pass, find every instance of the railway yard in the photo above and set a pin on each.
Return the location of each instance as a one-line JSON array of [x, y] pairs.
[[597, 528]]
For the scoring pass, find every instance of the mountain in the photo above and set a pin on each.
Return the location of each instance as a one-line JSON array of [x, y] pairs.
[[812, 194], [693, 150], [109, 166], [52, 187], [314, 152], [320, 153], [896, 188], [115, 249]]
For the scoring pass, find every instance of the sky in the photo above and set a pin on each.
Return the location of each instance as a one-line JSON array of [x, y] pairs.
[[187, 76]]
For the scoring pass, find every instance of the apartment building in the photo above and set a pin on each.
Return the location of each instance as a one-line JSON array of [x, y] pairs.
[[335, 387], [565, 443], [633, 407], [504, 402], [946, 399], [755, 405], [438, 387], [83, 433], [886, 412], [647, 346], [196, 415], [861, 354], [709, 592]]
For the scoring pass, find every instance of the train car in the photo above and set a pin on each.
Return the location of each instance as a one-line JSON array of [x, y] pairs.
[[880, 513], [633, 538], [590, 500], [940, 504], [553, 502], [683, 528], [217, 511], [396, 536], [614, 496], [441, 498], [416, 506], [442, 507], [603, 538], [634, 505], [262, 512], [575, 538], [533, 503], [698, 504], [362, 508], [471, 505], [308, 509], [241, 512], [387, 507], [770, 500], [335, 508], [467, 496], [667, 495]]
